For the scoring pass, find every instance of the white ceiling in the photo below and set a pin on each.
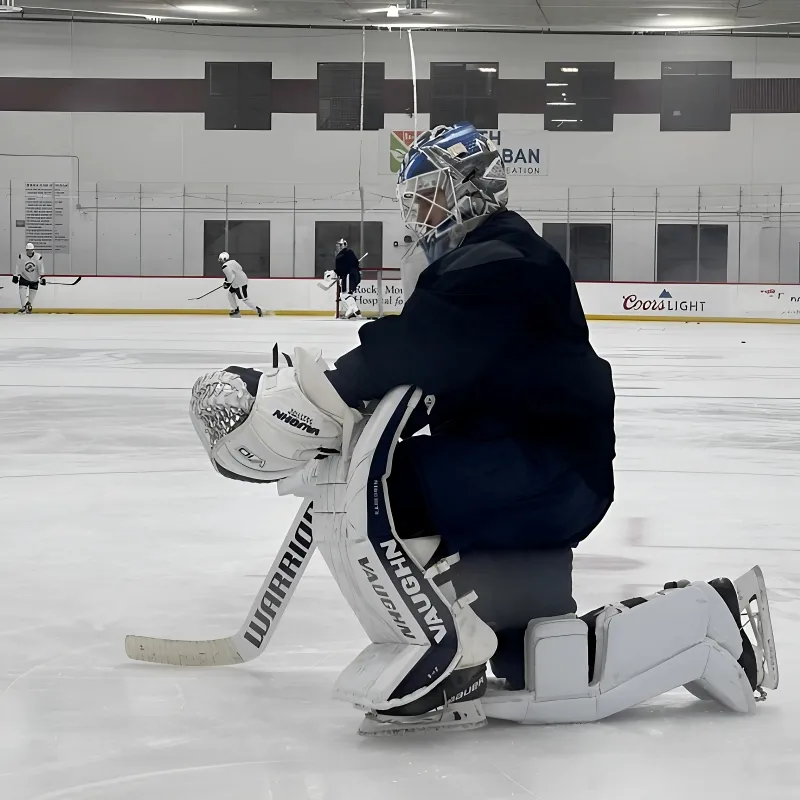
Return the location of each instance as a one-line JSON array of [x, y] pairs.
[[579, 15]]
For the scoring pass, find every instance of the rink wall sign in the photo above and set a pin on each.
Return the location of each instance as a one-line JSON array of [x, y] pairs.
[[665, 302], [367, 296], [524, 153]]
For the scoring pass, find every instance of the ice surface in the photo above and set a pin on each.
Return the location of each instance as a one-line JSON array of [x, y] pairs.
[[112, 522]]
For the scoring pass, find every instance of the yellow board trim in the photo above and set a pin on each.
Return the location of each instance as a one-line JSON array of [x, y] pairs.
[[329, 314]]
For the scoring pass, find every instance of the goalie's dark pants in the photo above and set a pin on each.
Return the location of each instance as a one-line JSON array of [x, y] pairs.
[[513, 514], [350, 281]]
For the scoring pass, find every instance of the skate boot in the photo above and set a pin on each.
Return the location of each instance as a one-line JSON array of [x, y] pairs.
[[28, 308], [235, 314], [750, 606], [22, 310], [452, 705], [259, 311], [747, 601]]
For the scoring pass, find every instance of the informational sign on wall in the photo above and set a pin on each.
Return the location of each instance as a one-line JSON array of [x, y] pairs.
[[524, 153], [367, 296], [47, 216]]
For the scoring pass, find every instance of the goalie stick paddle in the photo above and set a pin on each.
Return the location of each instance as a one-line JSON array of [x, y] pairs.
[[206, 294], [265, 613], [57, 283]]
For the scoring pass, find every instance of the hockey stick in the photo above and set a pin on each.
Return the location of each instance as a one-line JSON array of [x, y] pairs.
[[56, 283], [206, 294], [265, 613]]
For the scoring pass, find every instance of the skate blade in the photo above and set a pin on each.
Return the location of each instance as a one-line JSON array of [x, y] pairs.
[[458, 717], [752, 588]]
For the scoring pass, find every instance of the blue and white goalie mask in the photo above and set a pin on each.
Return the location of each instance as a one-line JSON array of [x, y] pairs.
[[451, 180]]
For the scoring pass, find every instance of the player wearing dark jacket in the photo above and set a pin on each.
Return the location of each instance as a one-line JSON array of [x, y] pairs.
[[347, 267], [523, 421]]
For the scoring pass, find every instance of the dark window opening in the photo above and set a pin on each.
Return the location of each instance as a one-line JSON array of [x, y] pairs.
[[339, 86], [464, 92], [585, 247], [682, 259], [579, 96], [247, 242], [238, 96], [696, 95]]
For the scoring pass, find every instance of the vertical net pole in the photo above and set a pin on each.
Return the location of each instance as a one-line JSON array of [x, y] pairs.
[[53, 227], [655, 239], [697, 273], [739, 252], [226, 217], [780, 233]]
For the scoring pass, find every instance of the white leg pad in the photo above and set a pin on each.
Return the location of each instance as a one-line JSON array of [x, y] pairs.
[[681, 637], [351, 307], [416, 642]]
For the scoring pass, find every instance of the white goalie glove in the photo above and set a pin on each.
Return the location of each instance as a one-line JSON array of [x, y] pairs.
[[329, 280], [262, 427]]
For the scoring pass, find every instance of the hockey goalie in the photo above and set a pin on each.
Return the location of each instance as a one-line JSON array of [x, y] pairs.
[[454, 548]]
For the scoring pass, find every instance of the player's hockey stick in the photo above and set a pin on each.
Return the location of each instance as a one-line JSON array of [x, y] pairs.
[[276, 354], [206, 294], [264, 616], [57, 283]]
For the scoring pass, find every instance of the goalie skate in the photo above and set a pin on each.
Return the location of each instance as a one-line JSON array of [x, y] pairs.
[[456, 717], [751, 590]]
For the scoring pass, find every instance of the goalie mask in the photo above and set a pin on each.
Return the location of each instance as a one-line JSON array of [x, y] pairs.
[[341, 245], [451, 180]]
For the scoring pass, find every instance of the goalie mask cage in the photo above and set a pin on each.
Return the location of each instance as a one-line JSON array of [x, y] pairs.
[[374, 293]]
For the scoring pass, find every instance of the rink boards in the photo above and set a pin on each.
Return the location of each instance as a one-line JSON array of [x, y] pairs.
[[304, 297]]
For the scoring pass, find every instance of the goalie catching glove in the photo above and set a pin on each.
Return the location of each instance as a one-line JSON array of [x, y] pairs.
[[264, 426]]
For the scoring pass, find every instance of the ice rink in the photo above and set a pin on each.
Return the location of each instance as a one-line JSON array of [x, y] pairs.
[[113, 522]]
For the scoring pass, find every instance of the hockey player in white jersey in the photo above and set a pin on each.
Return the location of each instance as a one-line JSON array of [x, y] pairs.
[[454, 549], [28, 273], [236, 284]]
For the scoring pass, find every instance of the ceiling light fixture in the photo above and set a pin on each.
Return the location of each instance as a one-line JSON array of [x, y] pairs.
[[562, 104], [487, 69], [662, 15], [210, 9], [569, 69], [393, 11], [558, 84]]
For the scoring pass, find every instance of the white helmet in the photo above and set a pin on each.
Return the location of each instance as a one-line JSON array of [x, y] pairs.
[[30, 247], [223, 257]]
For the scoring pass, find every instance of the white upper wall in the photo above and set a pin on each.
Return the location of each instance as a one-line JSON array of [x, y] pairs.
[[140, 51], [141, 147]]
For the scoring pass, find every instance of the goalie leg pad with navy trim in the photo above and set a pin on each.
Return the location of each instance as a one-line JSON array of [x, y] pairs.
[[416, 625]]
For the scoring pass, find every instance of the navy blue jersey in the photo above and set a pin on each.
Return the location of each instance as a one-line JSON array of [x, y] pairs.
[[346, 263], [495, 330]]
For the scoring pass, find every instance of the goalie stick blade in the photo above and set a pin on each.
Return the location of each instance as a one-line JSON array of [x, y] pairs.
[[212, 653], [265, 613]]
